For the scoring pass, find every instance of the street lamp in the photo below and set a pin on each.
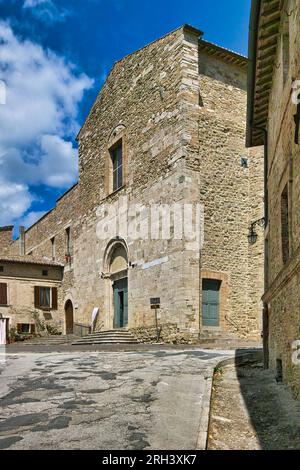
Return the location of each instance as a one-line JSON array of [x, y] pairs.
[[252, 236]]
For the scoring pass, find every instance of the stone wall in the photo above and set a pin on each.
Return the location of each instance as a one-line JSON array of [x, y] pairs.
[[232, 195], [283, 295], [180, 113], [168, 333]]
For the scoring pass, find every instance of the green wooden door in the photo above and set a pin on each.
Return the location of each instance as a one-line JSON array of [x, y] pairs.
[[210, 302], [120, 289]]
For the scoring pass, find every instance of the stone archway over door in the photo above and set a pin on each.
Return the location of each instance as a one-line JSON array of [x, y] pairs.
[[116, 267], [69, 317]]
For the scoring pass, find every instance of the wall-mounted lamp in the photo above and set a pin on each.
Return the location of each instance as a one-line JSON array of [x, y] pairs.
[[252, 236], [244, 162]]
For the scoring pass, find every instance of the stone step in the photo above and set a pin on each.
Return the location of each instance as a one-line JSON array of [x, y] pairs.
[[48, 340], [103, 341], [107, 340], [119, 336], [109, 335]]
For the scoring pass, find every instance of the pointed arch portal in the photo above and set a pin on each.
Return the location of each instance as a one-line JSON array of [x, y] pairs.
[[116, 264]]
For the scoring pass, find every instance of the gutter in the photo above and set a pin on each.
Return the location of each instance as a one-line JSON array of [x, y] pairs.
[[252, 53]]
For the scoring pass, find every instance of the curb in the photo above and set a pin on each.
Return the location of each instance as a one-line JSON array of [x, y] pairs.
[[239, 359]]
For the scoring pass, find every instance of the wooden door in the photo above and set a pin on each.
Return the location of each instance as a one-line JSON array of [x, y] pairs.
[[211, 302]]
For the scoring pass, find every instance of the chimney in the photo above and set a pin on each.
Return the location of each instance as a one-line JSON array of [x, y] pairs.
[[22, 241], [6, 238]]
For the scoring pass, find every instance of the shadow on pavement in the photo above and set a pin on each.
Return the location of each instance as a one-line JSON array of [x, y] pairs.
[[273, 413]]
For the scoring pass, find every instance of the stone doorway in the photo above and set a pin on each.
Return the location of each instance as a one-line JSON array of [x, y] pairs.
[[211, 302], [69, 318], [120, 295], [117, 284]]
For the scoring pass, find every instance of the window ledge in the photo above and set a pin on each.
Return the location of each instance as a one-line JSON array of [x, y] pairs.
[[114, 192]]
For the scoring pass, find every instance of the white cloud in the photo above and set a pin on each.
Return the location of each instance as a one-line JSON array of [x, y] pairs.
[[31, 218], [39, 120], [46, 10], [58, 166], [34, 3], [15, 200]]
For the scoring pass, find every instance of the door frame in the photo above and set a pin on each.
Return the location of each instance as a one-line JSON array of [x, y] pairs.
[[115, 290], [67, 312], [224, 295], [211, 303]]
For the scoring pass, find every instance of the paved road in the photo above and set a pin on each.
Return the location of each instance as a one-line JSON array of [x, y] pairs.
[[104, 400]]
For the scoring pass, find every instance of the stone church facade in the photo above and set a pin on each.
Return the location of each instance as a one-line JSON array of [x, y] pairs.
[[165, 138]]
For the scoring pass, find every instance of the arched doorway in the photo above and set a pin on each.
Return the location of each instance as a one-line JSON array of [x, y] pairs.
[[117, 267], [69, 317]]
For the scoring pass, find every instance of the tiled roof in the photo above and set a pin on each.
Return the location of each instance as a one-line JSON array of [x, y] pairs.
[[29, 260]]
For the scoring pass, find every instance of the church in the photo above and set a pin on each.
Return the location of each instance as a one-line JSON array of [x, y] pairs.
[[161, 212]]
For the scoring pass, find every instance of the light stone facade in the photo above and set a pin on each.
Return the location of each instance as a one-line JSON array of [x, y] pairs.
[[275, 112], [20, 279], [178, 106]]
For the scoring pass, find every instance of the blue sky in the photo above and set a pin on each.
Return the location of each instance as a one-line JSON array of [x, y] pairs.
[[54, 57]]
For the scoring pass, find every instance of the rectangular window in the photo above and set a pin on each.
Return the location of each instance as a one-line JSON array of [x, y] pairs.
[[1, 269], [26, 328], [3, 294], [285, 242], [68, 244], [45, 297], [117, 165], [53, 248]]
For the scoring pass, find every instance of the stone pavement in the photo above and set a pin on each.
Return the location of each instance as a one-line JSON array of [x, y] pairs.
[[154, 399], [250, 411]]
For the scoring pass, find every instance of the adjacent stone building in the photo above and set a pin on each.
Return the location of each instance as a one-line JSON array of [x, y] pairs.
[[162, 155], [29, 290], [273, 120]]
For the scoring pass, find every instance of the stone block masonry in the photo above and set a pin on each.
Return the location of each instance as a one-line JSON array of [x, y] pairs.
[[175, 110]]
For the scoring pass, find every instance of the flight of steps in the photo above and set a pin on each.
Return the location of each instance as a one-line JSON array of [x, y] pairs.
[[52, 340], [118, 336]]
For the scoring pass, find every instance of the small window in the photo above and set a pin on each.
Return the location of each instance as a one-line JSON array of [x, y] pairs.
[[68, 242], [23, 328], [53, 248], [3, 294], [26, 328], [45, 272], [279, 370], [285, 242], [116, 155], [1, 269], [45, 297]]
